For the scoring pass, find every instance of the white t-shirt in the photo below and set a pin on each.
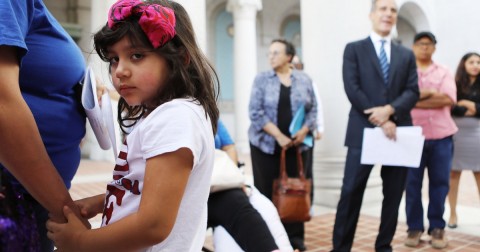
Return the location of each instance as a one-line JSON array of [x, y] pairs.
[[173, 125]]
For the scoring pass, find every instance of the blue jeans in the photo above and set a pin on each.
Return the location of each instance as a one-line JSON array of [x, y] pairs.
[[437, 158]]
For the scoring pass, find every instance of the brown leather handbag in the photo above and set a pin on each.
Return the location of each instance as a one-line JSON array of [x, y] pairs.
[[291, 196]]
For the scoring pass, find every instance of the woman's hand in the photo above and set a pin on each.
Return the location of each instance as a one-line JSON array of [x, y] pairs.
[[300, 136], [284, 141], [67, 235], [470, 105]]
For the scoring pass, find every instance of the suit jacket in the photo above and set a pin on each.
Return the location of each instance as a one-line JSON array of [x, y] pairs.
[[365, 87]]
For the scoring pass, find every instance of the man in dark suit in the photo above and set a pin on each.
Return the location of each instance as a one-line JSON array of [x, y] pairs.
[[380, 80]]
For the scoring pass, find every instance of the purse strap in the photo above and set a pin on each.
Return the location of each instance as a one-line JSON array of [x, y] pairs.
[[283, 166]]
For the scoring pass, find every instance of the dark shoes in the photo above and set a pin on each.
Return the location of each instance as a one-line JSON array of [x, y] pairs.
[[298, 244], [413, 238], [439, 239]]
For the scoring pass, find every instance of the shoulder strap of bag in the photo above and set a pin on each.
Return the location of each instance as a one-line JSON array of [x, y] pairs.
[[301, 173], [283, 170]]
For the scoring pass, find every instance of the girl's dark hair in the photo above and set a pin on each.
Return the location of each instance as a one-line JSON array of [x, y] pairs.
[[289, 47], [462, 78], [191, 74]]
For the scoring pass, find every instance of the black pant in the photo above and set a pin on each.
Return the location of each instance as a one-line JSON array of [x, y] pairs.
[[232, 210], [266, 168], [348, 209]]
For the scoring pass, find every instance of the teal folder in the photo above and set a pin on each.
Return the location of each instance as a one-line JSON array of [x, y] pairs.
[[297, 123]]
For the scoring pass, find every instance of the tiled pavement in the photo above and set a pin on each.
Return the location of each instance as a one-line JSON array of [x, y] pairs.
[[318, 237], [93, 175], [319, 233]]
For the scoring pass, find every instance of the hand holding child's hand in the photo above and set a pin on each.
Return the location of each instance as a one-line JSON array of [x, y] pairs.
[[66, 235]]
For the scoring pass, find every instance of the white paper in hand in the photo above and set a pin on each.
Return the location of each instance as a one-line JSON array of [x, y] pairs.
[[406, 151], [99, 117]]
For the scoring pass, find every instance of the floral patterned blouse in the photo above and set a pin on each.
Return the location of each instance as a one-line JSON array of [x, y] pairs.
[[263, 105]]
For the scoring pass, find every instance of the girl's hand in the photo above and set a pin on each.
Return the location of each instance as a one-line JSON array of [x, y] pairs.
[[91, 206], [101, 89], [66, 236]]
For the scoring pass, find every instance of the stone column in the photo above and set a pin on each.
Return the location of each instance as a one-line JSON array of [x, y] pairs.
[[245, 63], [324, 36]]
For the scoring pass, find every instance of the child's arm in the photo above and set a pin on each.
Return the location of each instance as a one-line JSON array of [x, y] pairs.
[[166, 177], [91, 206]]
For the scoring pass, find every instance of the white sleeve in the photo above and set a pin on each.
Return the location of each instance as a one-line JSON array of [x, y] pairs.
[[320, 123], [170, 127]]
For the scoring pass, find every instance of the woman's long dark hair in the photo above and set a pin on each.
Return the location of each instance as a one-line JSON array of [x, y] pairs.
[[191, 74], [462, 78]]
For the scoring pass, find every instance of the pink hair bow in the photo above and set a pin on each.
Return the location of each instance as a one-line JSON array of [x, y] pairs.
[[158, 22]]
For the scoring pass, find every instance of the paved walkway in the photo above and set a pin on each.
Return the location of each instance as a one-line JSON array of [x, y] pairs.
[[93, 176]]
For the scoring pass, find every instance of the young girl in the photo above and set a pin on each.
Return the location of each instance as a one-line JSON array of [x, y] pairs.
[[158, 198]]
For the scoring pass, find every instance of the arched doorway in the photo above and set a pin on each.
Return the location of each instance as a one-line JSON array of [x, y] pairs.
[[223, 54], [291, 31], [411, 19]]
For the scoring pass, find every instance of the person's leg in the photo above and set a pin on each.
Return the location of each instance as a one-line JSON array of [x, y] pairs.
[[452, 197], [348, 210], [393, 186], [308, 166], [439, 176], [413, 192], [270, 215], [224, 242], [296, 231], [477, 178], [232, 210], [265, 168]]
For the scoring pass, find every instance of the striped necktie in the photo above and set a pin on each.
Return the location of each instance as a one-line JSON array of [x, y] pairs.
[[384, 62]]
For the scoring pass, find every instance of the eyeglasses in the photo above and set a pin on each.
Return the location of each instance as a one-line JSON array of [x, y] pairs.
[[424, 43], [274, 54]]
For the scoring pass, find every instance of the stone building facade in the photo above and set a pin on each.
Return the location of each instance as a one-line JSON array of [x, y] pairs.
[[235, 35]]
